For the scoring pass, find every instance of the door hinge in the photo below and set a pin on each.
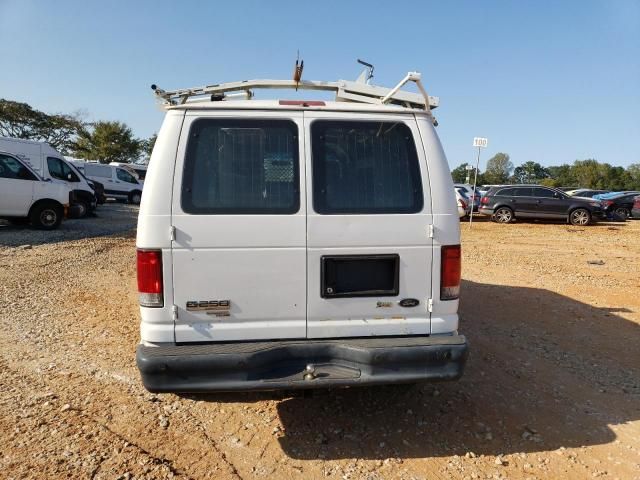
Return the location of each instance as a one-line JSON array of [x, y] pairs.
[[172, 233], [431, 231], [430, 305], [174, 312]]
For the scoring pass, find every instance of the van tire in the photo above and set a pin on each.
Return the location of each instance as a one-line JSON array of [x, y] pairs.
[[135, 197], [46, 215], [83, 209]]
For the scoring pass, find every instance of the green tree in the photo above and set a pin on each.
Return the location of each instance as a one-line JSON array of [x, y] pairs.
[[561, 176], [108, 142], [499, 169], [459, 174], [148, 144], [633, 171], [20, 120], [530, 172], [588, 174]]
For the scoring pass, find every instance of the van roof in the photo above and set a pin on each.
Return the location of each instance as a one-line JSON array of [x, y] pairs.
[[318, 105]]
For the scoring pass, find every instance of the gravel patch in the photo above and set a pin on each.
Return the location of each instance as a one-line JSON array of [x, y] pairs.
[[110, 218]]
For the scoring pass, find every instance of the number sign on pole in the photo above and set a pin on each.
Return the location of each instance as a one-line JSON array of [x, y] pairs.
[[479, 142]]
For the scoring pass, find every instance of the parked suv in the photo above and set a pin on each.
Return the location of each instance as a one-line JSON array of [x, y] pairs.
[[505, 204], [298, 244]]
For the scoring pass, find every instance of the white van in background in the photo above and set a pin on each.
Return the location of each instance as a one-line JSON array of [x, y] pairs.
[[139, 171], [50, 164], [119, 182], [25, 197]]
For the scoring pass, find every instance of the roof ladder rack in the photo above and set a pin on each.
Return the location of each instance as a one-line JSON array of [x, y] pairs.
[[345, 90]]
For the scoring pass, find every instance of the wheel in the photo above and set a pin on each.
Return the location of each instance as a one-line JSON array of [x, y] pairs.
[[46, 216], [580, 216], [503, 215], [622, 212], [134, 197], [83, 209]]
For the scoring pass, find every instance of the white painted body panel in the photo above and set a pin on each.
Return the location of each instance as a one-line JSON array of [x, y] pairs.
[[405, 235], [268, 266], [255, 261], [444, 318], [154, 223]]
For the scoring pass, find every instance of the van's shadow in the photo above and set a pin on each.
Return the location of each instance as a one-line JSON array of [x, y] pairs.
[[544, 372]]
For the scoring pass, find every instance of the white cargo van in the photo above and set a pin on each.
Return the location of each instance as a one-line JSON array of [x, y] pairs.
[[50, 164], [298, 244], [137, 170], [118, 182], [26, 197]]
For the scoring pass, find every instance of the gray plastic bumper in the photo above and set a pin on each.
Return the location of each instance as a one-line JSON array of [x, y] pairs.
[[296, 364]]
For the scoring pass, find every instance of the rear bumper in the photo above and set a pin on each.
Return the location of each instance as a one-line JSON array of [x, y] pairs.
[[275, 365]]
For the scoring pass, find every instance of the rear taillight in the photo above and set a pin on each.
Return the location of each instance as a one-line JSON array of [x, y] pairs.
[[150, 278], [463, 205], [484, 200], [450, 272], [636, 202], [607, 203]]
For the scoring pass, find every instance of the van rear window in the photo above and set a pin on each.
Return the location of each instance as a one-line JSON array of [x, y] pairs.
[[365, 167], [241, 167]]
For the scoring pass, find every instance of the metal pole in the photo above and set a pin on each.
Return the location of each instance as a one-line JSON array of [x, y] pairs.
[[475, 181]]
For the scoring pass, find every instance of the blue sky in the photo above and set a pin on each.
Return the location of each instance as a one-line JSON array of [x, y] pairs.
[[545, 81]]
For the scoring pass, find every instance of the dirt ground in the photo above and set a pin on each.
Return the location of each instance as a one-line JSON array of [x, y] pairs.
[[551, 390]]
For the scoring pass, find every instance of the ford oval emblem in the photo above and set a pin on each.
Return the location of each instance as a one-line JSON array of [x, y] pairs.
[[409, 302]]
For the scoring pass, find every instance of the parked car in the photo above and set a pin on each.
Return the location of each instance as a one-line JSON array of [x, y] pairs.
[[50, 164], [605, 196], [635, 211], [463, 202], [506, 204], [118, 181], [25, 197], [585, 192], [619, 205], [264, 265], [474, 197], [482, 190]]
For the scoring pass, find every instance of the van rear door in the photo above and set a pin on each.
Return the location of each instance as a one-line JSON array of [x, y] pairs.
[[238, 210], [369, 218]]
